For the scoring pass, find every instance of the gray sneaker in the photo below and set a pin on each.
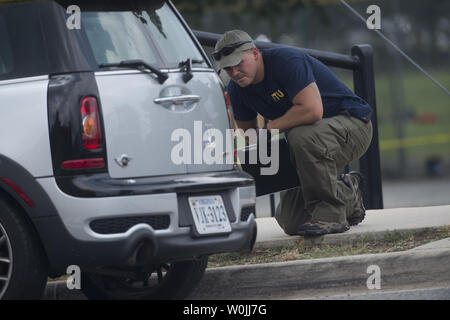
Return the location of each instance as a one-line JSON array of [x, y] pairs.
[[355, 181]]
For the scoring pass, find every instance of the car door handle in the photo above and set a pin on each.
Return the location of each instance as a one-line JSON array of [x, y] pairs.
[[177, 99]]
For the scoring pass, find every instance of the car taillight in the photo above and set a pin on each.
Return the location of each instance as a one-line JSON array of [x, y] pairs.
[[76, 129], [83, 164], [230, 121], [227, 99], [90, 121], [228, 105]]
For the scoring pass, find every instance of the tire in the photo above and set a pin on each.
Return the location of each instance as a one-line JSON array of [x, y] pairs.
[[168, 281], [23, 264]]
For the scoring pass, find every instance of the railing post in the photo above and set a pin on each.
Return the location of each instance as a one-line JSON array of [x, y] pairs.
[[364, 83]]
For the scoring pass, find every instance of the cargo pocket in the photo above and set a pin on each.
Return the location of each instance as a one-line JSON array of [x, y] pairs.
[[360, 136], [338, 141]]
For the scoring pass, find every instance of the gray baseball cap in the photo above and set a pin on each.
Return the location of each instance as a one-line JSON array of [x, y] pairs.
[[229, 48]]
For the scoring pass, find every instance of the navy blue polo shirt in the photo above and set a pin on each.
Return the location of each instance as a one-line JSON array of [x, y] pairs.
[[287, 71]]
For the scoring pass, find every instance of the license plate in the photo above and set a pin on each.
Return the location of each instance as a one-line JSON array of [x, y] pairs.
[[210, 215]]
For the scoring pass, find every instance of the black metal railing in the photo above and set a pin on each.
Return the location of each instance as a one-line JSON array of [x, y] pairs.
[[361, 63]]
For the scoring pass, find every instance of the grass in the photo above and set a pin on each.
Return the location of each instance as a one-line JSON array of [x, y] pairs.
[[391, 242], [422, 99]]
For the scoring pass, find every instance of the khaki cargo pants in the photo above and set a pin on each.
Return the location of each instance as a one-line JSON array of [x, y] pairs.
[[320, 152]]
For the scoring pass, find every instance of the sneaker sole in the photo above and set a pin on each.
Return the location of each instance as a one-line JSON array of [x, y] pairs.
[[353, 221], [321, 232]]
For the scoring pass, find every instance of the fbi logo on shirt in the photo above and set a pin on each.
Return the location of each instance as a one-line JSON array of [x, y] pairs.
[[277, 95]]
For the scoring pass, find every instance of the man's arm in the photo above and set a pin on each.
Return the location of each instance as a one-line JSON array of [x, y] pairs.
[[307, 109]]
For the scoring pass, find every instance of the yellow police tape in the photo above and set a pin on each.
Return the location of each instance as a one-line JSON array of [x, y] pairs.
[[414, 141]]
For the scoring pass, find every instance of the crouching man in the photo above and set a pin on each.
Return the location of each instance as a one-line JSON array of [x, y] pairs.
[[325, 123]]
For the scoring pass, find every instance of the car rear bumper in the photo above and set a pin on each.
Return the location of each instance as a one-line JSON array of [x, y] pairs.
[[141, 227], [141, 246]]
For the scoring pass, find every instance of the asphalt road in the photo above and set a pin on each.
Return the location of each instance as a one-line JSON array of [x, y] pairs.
[[416, 193], [412, 294], [399, 294]]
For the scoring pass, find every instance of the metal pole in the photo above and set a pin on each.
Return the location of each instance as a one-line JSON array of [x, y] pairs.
[[364, 83]]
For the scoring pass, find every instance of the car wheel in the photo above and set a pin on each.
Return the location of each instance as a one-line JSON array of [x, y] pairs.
[[23, 265], [166, 281]]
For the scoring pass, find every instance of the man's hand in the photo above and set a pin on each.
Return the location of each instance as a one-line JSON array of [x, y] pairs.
[[307, 109], [245, 125]]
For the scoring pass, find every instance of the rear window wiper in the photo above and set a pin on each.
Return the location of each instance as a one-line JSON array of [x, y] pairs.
[[139, 65], [188, 68]]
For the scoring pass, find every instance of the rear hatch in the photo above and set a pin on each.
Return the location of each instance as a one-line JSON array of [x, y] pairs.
[[154, 126]]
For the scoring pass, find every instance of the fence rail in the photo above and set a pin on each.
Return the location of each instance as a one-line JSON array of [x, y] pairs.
[[360, 61]]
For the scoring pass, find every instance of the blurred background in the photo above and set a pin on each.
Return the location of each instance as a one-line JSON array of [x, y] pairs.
[[413, 113]]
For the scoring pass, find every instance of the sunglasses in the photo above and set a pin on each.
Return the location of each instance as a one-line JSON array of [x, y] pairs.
[[227, 50]]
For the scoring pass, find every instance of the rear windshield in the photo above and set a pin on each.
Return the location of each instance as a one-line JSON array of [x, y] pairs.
[[35, 38], [153, 35], [22, 50]]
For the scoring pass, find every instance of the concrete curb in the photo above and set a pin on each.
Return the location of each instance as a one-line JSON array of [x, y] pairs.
[[57, 290], [341, 238], [376, 224], [423, 265], [419, 266], [309, 277]]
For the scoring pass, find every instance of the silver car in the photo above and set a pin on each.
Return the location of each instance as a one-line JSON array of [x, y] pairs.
[[91, 93]]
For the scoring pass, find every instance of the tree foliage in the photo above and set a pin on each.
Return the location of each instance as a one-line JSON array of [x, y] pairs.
[[262, 8]]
